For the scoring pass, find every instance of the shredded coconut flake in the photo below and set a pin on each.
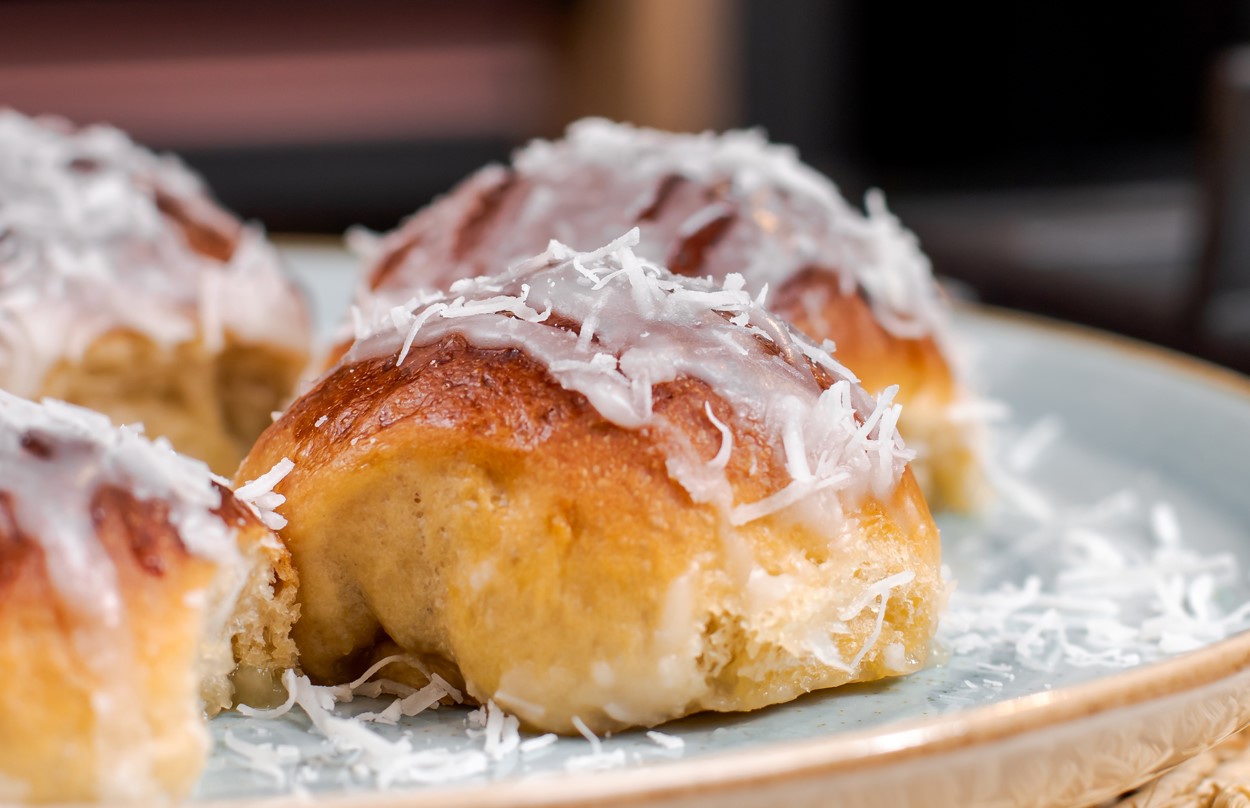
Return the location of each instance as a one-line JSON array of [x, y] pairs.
[[1109, 585], [1165, 525], [389, 761], [259, 493], [641, 326], [721, 460], [596, 745], [288, 681], [532, 745], [265, 758], [665, 741], [501, 732], [773, 216], [596, 761]]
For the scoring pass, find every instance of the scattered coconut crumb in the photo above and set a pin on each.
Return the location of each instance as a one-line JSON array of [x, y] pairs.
[[665, 741], [259, 493], [531, 745]]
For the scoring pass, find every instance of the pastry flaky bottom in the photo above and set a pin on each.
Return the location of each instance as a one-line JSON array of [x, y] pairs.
[[107, 702], [467, 510], [211, 405]]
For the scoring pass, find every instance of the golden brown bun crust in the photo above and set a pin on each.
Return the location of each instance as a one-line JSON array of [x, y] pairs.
[[479, 515], [813, 302], [948, 465], [57, 662]]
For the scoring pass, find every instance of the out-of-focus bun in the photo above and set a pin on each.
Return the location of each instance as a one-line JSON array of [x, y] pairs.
[[130, 581], [126, 289], [714, 205]]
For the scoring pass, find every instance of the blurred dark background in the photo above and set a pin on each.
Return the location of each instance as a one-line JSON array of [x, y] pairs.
[[1090, 161]]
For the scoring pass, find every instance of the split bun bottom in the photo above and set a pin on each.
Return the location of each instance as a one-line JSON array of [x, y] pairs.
[[468, 510]]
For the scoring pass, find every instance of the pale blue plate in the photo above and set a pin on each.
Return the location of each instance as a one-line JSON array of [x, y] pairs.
[[1126, 498]]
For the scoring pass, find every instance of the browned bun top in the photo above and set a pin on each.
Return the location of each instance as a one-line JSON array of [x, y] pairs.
[[86, 504], [814, 303], [619, 340], [510, 402], [706, 205]]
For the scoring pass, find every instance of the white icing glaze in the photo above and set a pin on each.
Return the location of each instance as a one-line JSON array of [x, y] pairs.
[[54, 459], [52, 496], [85, 250], [603, 178], [650, 327]]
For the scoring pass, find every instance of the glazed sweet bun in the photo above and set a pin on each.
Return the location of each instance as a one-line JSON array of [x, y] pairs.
[[126, 289], [130, 581], [590, 489], [714, 205]]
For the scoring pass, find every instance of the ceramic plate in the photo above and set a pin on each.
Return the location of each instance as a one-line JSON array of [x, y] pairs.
[[1095, 637]]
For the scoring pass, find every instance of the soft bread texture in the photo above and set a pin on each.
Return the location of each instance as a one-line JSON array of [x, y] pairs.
[[713, 205], [210, 404], [467, 508], [110, 667], [136, 294], [244, 659]]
